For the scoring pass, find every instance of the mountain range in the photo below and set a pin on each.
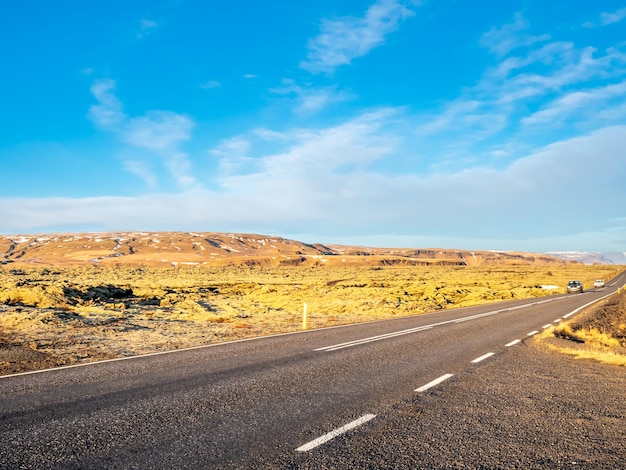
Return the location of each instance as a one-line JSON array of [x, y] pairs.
[[591, 257], [220, 249]]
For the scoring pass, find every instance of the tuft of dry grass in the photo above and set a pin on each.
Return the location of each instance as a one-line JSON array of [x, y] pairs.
[[598, 333]]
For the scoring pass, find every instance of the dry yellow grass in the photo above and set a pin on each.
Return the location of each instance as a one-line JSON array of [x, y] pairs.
[[598, 333], [604, 354], [75, 314]]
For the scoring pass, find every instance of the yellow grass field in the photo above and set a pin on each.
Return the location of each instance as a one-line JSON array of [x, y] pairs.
[[59, 316]]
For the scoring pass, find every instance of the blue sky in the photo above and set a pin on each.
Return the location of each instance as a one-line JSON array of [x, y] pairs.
[[450, 123]]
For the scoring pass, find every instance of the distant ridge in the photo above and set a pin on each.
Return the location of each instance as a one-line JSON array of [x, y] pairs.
[[591, 257], [237, 249]]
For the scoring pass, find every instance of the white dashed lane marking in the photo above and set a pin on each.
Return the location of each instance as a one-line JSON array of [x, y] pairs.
[[532, 333], [513, 343], [337, 432], [423, 388], [483, 357]]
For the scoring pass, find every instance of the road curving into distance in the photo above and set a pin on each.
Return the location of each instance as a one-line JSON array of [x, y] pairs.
[[385, 394]]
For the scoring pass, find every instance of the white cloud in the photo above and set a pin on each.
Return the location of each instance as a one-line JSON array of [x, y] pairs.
[[143, 170], [343, 39], [503, 40], [577, 68], [571, 105], [581, 87], [228, 148], [309, 98], [610, 18], [448, 117], [310, 155], [161, 132], [552, 53], [325, 183], [232, 155], [108, 113], [270, 135], [158, 130]]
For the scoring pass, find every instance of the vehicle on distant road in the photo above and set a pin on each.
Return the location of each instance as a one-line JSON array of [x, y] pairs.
[[598, 283], [574, 286]]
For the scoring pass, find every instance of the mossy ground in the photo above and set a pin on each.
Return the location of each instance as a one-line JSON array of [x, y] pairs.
[[52, 317]]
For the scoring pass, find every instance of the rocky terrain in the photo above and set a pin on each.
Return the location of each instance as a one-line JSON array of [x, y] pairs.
[[63, 315], [221, 249]]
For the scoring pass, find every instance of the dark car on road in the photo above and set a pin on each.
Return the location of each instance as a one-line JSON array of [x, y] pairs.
[[574, 286]]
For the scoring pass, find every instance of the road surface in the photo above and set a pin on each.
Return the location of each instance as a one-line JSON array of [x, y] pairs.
[[435, 390]]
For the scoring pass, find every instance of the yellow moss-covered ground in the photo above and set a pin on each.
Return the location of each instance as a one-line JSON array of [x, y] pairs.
[[51, 317]]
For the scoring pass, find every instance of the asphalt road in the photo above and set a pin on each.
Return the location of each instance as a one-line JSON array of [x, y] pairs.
[[454, 389]]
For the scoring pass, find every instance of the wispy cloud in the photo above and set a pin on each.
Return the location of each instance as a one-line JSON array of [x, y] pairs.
[[576, 67], [306, 154], [327, 182], [511, 36], [233, 156], [146, 27], [211, 84], [343, 39], [310, 98], [572, 105], [581, 85], [157, 130], [161, 132], [143, 170], [108, 113], [606, 19], [615, 17]]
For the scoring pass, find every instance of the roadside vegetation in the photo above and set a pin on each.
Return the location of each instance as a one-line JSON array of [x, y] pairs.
[[598, 333], [60, 316]]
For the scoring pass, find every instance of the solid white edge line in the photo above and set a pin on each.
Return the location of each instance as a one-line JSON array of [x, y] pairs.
[[337, 432], [532, 333], [483, 357], [358, 342], [587, 305], [334, 347], [423, 388], [173, 351], [370, 339], [513, 343]]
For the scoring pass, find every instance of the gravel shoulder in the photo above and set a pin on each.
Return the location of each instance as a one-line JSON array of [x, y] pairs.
[[526, 408], [529, 407]]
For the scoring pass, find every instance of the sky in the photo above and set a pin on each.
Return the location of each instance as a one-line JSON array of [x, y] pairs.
[[484, 125]]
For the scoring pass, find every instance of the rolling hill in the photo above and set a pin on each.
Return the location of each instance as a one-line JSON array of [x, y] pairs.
[[220, 249]]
